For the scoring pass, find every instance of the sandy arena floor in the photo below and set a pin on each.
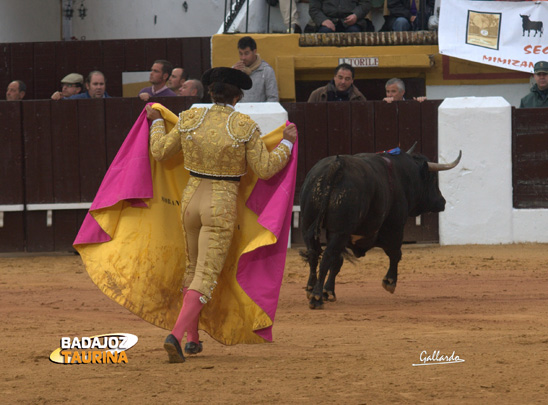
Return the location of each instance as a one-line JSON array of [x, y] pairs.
[[487, 304]]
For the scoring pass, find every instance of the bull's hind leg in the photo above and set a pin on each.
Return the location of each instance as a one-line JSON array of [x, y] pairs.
[[332, 256], [312, 259], [329, 288], [311, 255], [391, 278]]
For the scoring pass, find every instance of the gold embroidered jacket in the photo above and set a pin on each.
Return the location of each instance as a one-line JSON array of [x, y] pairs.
[[218, 142]]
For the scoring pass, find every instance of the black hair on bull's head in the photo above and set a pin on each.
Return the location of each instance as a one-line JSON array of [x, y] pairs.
[[430, 197]]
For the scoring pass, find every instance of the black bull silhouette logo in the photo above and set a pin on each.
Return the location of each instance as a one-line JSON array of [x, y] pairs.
[[529, 25]]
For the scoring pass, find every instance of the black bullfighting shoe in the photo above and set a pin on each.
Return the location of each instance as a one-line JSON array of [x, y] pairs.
[[193, 348], [173, 349]]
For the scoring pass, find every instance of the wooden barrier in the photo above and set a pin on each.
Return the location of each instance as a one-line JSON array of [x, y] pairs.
[[12, 191], [529, 157], [55, 154]]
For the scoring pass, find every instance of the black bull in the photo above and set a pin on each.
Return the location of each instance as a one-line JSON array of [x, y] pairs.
[[363, 201]]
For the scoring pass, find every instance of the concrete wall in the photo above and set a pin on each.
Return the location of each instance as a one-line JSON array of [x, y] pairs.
[[30, 20], [127, 19], [511, 92], [41, 20], [479, 190]]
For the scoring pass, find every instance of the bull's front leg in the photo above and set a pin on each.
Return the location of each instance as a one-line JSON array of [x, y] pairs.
[[391, 278]]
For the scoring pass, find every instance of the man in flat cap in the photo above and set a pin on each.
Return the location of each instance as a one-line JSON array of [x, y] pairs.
[[71, 84], [538, 97]]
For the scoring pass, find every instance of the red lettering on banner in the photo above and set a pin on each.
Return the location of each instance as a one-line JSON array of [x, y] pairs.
[[512, 62], [537, 50]]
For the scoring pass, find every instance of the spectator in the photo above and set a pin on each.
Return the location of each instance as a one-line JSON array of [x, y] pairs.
[[395, 90], [538, 97], [16, 91], [404, 13], [95, 85], [341, 88], [71, 84], [290, 14], [192, 88], [159, 74], [177, 78], [265, 87], [341, 15]]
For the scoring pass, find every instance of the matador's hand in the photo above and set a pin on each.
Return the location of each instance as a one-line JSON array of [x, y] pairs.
[[152, 114], [290, 133]]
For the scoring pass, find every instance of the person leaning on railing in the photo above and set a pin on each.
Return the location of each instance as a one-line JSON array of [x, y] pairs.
[[96, 86], [16, 91], [395, 91], [340, 88], [71, 84]]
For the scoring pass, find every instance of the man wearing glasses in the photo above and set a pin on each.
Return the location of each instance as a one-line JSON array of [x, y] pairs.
[[71, 84]]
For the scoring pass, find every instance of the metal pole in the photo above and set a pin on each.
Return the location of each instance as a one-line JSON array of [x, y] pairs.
[[246, 16], [268, 21], [290, 14], [224, 24], [422, 13]]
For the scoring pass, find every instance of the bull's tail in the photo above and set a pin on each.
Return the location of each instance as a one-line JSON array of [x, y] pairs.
[[325, 187]]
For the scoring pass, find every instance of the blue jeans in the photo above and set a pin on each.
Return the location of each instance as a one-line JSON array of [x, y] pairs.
[[401, 24], [340, 28]]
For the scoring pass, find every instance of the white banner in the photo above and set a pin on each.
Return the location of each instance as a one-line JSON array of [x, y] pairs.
[[499, 33]]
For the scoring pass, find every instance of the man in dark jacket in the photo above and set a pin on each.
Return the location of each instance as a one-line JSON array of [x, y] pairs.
[[405, 15], [341, 88], [538, 97], [340, 15]]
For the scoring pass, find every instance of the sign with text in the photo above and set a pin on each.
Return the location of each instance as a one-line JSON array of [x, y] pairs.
[[360, 62], [504, 34]]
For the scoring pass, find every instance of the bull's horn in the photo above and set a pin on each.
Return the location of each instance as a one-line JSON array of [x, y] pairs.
[[412, 148], [438, 167]]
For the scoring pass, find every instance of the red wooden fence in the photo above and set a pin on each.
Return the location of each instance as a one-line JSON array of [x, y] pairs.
[[58, 152]]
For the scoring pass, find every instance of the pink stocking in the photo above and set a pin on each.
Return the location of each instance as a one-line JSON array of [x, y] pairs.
[[189, 316]]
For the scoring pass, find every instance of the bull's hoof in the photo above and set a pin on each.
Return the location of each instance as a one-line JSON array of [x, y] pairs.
[[329, 296], [315, 304], [308, 292], [389, 285]]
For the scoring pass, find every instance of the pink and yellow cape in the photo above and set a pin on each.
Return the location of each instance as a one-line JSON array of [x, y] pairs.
[[132, 245]]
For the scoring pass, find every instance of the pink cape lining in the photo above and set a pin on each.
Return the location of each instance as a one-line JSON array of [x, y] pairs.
[[260, 271], [128, 178]]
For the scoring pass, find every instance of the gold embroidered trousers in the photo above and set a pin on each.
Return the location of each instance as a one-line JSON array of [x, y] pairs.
[[208, 216]]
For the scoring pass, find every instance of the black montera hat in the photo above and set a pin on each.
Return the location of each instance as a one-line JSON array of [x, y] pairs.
[[227, 75], [541, 67]]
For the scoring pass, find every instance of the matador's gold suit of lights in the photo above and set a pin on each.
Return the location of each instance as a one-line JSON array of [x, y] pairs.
[[217, 143]]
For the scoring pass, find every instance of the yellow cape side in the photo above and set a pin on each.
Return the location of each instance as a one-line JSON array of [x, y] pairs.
[[142, 267]]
